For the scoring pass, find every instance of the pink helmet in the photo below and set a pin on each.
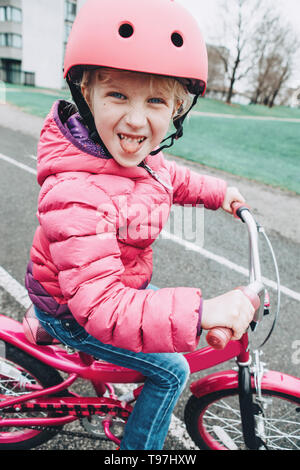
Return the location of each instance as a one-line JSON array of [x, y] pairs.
[[151, 36]]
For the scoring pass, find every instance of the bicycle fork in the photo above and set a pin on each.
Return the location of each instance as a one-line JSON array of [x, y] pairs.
[[249, 410]]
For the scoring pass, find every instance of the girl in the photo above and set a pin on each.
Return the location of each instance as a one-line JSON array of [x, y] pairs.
[[131, 67]]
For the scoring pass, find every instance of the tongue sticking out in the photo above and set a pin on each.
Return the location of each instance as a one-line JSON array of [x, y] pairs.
[[130, 145]]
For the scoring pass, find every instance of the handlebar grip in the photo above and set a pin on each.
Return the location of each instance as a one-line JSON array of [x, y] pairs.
[[219, 337], [237, 208]]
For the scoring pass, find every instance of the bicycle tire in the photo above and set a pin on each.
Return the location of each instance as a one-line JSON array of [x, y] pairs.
[[34, 370], [213, 421]]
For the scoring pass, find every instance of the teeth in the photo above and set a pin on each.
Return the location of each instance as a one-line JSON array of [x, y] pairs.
[[131, 139]]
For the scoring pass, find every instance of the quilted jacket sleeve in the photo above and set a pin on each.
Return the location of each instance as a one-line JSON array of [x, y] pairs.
[[193, 188], [80, 222]]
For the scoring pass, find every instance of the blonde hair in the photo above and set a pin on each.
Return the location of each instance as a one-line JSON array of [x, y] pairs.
[[182, 98]]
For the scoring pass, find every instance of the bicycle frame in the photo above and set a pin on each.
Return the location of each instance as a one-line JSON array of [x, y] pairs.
[[97, 372], [101, 374], [85, 367]]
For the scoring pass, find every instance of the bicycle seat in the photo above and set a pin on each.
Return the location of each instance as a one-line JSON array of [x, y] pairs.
[[34, 331]]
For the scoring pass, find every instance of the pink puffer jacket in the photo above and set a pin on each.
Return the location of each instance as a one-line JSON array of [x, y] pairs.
[[92, 250]]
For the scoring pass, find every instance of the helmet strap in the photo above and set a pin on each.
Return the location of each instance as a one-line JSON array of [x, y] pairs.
[[178, 123], [86, 114]]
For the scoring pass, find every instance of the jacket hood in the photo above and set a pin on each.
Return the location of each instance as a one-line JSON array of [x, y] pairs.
[[65, 146]]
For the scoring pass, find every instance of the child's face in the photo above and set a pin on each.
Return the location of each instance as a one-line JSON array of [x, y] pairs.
[[131, 117]]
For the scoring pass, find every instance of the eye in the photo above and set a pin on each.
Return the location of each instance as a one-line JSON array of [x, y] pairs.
[[156, 100], [116, 94]]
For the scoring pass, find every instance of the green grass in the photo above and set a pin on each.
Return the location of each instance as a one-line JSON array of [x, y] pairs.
[[261, 150], [265, 151], [219, 107], [37, 101]]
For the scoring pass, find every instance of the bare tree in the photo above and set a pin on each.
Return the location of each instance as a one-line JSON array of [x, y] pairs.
[[275, 75], [275, 47], [238, 27], [282, 77], [261, 48], [216, 78], [265, 44]]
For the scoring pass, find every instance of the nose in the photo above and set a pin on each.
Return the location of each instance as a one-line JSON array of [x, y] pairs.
[[136, 117]]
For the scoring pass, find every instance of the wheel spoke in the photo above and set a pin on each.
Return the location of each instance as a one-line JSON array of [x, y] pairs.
[[21, 374], [217, 419]]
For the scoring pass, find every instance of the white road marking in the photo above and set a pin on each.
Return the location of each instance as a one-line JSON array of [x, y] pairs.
[[229, 264], [14, 288], [17, 291], [18, 164], [236, 116], [188, 245]]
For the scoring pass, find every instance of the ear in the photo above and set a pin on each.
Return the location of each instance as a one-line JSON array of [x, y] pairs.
[[177, 108]]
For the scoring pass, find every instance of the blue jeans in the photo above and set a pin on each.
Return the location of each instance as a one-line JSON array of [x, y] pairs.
[[166, 376]]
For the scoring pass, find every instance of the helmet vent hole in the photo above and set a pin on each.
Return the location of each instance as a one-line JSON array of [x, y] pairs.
[[177, 39], [126, 30]]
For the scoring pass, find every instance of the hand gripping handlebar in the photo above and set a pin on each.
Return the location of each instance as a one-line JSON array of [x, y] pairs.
[[218, 337]]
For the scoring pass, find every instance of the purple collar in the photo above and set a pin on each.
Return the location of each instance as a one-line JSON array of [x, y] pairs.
[[77, 128], [74, 130]]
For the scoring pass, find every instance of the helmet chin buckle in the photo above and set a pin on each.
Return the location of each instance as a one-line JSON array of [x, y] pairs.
[[178, 123]]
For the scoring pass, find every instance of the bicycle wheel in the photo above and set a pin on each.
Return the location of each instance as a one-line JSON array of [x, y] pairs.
[[18, 372], [213, 421]]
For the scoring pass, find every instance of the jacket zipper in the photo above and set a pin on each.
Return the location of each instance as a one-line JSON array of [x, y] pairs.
[[156, 176]]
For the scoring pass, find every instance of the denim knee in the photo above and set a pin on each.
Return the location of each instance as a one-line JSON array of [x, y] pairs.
[[182, 370], [173, 374]]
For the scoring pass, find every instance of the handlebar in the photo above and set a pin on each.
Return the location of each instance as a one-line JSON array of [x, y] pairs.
[[219, 337]]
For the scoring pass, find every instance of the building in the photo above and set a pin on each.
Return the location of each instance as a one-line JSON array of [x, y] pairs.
[[289, 97], [33, 36], [295, 98], [10, 39]]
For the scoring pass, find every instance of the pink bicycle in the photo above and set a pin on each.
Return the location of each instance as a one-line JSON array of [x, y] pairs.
[[243, 408]]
